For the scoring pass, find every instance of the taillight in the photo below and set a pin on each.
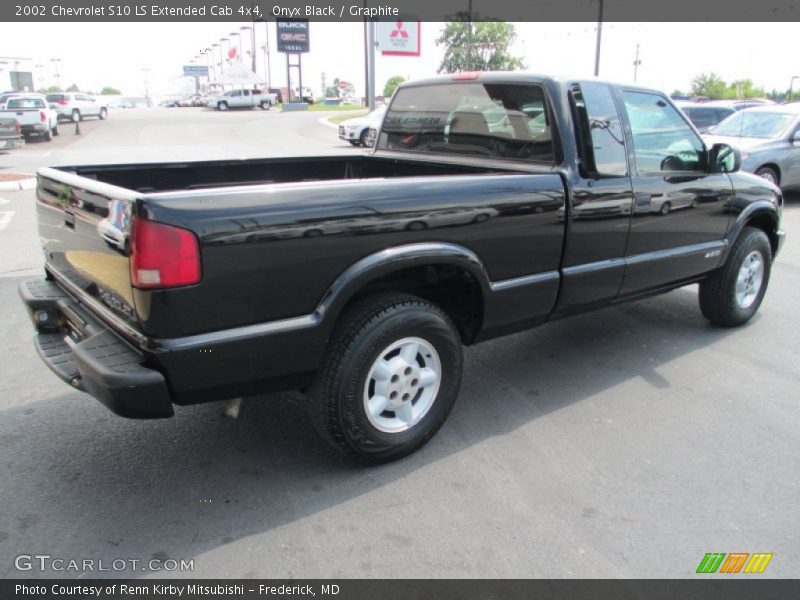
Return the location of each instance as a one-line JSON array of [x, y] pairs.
[[465, 75], [163, 256], [63, 102], [43, 115]]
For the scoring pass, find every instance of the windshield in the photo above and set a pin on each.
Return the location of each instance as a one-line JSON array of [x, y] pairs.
[[25, 103], [755, 124]]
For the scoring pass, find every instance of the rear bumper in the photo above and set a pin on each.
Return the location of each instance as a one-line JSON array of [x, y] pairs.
[[11, 143], [37, 128], [92, 358]]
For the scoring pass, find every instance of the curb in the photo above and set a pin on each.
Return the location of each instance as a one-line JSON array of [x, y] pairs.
[[325, 121], [14, 186]]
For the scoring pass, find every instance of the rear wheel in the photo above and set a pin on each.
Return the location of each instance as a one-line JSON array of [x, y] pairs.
[[732, 295], [48, 135], [103, 113], [665, 208], [266, 105], [55, 129], [222, 106], [389, 379]]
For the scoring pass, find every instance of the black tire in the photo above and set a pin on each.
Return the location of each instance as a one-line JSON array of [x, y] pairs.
[[56, 131], [718, 301], [75, 116], [362, 139], [222, 106], [416, 226], [47, 136], [103, 113], [265, 105], [665, 208], [363, 333], [769, 174]]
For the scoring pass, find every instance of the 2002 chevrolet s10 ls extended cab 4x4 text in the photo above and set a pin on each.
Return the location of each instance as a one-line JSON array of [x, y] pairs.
[[492, 203]]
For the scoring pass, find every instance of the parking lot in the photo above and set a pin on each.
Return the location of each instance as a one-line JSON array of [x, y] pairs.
[[623, 443]]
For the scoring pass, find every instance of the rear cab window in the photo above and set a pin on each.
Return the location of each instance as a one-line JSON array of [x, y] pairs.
[[471, 118], [22, 103], [600, 139]]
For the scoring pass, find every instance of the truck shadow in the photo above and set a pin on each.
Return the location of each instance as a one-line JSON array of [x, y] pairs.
[[80, 482]]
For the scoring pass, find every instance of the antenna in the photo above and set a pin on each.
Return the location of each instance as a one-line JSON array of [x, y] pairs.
[[636, 63]]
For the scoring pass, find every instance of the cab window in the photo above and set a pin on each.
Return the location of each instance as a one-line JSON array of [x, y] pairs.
[[662, 140]]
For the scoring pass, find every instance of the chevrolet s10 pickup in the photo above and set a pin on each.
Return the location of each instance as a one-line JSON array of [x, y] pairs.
[[491, 203]]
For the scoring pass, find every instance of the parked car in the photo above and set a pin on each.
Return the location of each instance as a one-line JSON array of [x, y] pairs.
[[242, 99], [221, 292], [705, 115], [277, 93], [356, 130], [768, 138], [10, 133], [74, 106], [34, 114]]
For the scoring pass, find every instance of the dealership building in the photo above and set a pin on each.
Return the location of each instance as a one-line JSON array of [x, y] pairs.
[[16, 73]]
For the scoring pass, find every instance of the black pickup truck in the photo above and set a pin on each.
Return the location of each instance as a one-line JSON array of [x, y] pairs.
[[492, 203]]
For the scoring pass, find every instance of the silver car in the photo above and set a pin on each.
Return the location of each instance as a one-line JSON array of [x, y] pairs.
[[768, 138]]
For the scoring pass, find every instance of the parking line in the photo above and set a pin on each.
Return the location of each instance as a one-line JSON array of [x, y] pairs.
[[5, 218], [48, 153]]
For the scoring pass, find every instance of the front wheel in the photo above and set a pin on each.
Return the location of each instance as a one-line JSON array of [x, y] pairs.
[[732, 295], [222, 106], [389, 379], [75, 116], [266, 105], [769, 174]]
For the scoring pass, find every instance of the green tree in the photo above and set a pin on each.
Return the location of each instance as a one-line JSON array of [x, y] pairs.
[[488, 50], [708, 84], [392, 84], [676, 94], [110, 91], [74, 88]]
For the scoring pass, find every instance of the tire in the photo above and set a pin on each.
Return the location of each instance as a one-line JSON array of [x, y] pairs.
[[223, 106], [722, 299], [103, 114], [266, 105], [55, 129], [665, 208], [47, 136], [695, 203], [75, 116], [769, 174], [416, 226], [362, 139], [374, 328]]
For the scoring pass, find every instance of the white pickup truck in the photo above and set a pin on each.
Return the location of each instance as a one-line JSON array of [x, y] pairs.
[[34, 115], [243, 99]]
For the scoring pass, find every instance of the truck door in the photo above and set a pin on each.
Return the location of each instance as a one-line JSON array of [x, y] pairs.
[[679, 214], [598, 218]]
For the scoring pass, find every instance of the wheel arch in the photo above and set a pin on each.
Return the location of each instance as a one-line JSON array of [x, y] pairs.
[[773, 166], [449, 275], [762, 215]]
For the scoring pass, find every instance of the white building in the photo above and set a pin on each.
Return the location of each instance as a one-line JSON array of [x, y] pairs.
[[17, 74]]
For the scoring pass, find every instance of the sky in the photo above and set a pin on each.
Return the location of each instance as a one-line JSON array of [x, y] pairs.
[[94, 55]]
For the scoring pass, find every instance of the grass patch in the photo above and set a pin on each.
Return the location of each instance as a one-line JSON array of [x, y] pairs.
[[339, 118], [324, 107]]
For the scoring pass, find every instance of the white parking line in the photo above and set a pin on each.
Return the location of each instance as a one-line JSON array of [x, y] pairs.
[[48, 153], [3, 201], [5, 218]]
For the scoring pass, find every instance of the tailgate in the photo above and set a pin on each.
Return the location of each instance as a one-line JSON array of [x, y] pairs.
[[84, 226], [8, 126]]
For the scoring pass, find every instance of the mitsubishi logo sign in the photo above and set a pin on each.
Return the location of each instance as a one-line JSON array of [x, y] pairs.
[[398, 38], [399, 31]]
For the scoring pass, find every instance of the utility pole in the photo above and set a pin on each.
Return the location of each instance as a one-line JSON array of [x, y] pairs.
[[599, 37], [636, 63], [55, 61], [266, 54], [371, 64]]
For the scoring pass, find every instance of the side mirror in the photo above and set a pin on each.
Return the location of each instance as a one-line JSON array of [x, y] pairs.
[[723, 158], [54, 106]]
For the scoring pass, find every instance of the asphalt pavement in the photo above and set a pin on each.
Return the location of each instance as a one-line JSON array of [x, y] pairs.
[[627, 442]]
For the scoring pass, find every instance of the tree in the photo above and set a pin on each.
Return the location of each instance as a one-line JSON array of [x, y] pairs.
[[110, 91], [708, 84], [488, 51], [391, 85], [73, 88]]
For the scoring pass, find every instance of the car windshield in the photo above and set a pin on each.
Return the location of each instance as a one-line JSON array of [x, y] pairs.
[[755, 124], [25, 103]]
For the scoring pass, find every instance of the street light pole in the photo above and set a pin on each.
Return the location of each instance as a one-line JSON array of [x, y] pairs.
[[55, 62], [791, 85], [224, 56], [146, 72], [41, 76], [599, 37], [252, 45], [266, 51]]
